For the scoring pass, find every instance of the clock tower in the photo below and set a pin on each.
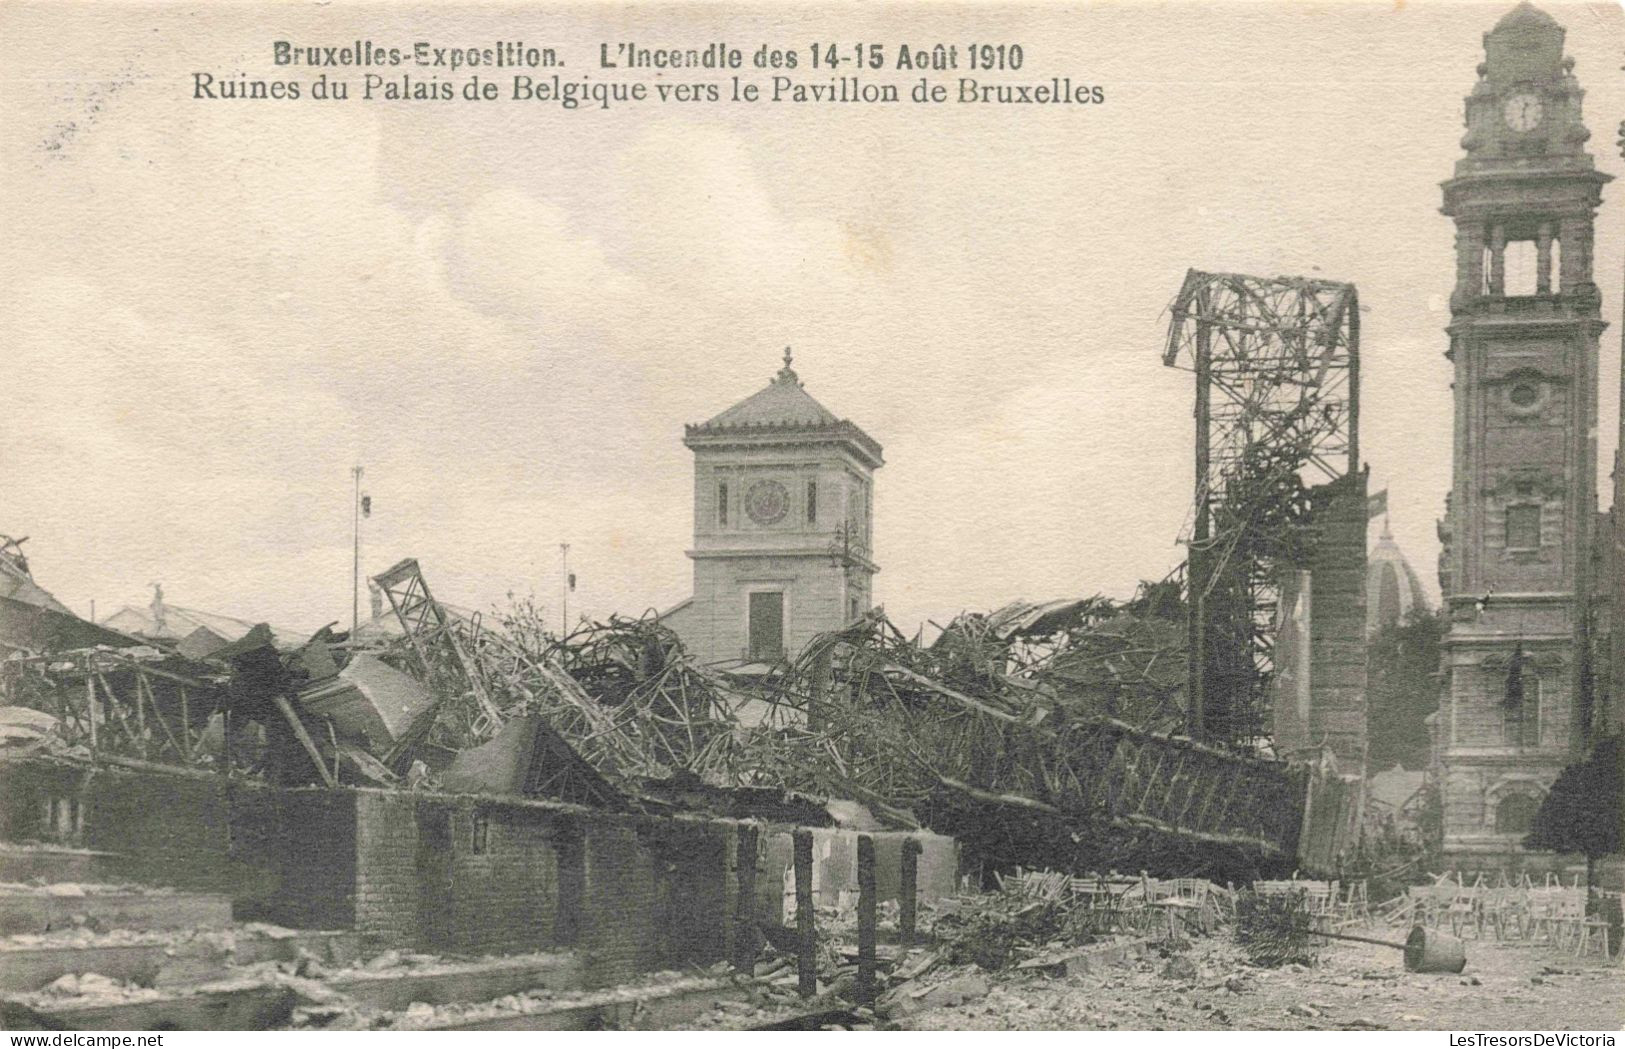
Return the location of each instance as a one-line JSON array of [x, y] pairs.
[[1525, 321], [783, 526]]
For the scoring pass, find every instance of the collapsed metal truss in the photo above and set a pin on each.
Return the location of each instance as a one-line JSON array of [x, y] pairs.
[[1014, 759], [110, 705], [431, 632], [1009, 765], [1277, 368]]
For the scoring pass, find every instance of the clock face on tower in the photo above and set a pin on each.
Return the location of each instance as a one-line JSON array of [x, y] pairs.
[[767, 502], [1523, 111]]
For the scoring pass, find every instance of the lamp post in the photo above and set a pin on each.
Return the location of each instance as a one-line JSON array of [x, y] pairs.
[[841, 547], [355, 565], [564, 589]]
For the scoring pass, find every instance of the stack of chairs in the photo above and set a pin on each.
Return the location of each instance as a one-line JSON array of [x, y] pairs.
[[1504, 909], [1322, 895], [1202, 895], [1120, 899], [1354, 908], [1463, 910], [1549, 913], [1595, 934], [1429, 905], [1557, 916]]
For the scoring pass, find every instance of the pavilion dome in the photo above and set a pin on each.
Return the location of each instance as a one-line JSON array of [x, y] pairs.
[[1392, 587], [1526, 16], [1525, 45]]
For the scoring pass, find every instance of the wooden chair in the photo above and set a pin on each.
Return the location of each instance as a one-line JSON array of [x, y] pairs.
[[1592, 932], [1356, 907]]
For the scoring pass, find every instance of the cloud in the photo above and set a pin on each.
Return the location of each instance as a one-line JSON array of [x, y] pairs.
[[519, 258], [213, 311]]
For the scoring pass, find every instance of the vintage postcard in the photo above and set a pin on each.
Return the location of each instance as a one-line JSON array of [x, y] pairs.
[[744, 516]]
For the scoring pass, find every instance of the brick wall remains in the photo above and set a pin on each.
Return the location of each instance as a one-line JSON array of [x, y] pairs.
[[451, 874], [283, 856], [474, 875]]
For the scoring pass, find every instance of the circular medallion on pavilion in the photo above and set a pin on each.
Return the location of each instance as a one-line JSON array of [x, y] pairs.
[[767, 502]]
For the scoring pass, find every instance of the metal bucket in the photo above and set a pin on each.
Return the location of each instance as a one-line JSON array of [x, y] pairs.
[[1431, 951]]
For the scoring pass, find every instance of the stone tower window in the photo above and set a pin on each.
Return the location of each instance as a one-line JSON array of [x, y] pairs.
[[1523, 527], [1520, 723], [1515, 814], [812, 502], [722, 503], [1521, 267]]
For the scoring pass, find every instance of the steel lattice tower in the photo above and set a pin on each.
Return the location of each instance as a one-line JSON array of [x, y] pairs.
[[1277, 410]]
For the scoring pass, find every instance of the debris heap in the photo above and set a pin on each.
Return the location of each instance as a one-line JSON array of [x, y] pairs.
[[1038, 735]]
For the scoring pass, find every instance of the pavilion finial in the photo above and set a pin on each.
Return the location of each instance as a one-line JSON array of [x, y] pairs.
[[787, 374]]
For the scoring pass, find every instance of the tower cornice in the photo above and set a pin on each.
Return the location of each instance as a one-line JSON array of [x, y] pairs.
[[1492, 192], [1528, 315], [818, 553], [844, 435]]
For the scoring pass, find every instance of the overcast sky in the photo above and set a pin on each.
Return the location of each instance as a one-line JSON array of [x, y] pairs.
[[507, 313]]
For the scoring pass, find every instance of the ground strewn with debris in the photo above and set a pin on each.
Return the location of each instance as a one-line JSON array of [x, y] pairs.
[[1506, 986]]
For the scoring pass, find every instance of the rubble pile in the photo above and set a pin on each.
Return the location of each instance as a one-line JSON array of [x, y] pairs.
[[1033, 928], [635, 706], [1024, 918], [908, 729], [1095, 656]]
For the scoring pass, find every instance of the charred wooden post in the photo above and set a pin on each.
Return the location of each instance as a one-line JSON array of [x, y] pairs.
[[303, 737], [744, 939], [907, 891], [1196, 574], [866, 921], [186, 725], [90, 708], [806, 935]]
